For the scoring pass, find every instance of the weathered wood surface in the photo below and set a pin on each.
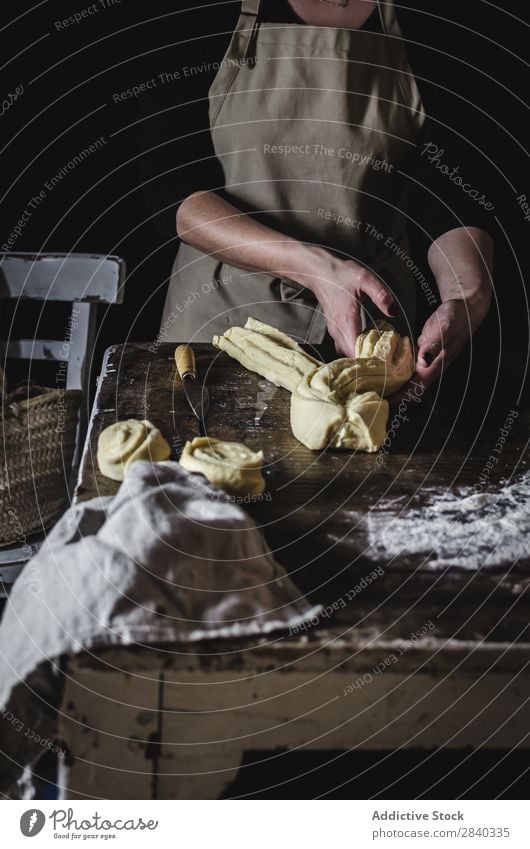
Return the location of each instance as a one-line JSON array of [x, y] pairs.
[[312, 517], [173, 721], [172, 732]]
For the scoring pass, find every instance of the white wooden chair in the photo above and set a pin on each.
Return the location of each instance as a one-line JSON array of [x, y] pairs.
[[84, 280]]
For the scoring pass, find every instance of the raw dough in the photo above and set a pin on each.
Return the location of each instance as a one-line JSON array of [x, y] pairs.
[[230, 465], [383, 343], [384, 360], [122, 443], [339, 404], [347, 375], [267, 351], [327, 415], [335, 404]]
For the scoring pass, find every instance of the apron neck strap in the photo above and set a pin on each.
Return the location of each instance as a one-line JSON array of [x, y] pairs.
[[247, 24], [388, 18], [251, 7]]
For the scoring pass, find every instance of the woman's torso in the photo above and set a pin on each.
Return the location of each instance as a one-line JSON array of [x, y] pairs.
[[311, 125]]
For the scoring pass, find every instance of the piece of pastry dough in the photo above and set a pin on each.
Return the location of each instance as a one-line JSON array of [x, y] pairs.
[[384, 360], [268, 352], [347, 375], [325, 414], [335, 404], [383, 343], [230, 465], [123, 442]]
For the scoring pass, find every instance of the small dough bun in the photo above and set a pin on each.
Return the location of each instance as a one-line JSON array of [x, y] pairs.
[[123, 442], [229, 465]]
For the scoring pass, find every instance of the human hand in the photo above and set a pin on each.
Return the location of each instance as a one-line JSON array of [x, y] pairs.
[[444, 335], [461, 261], [341, 287]]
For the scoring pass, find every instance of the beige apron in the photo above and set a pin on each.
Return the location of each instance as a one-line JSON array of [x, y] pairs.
[[311, 125]]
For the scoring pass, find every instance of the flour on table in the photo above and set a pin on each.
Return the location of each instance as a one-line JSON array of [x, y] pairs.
[[469, 530]]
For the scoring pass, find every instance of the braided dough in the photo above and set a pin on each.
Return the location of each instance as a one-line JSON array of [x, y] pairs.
[[268, 352], [382, 345], [230, 465], [123, 442], [328, 418], [335, 404]]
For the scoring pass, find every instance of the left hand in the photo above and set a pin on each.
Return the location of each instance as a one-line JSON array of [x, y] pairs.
[[461, 262], [445, 333], [443, 336]]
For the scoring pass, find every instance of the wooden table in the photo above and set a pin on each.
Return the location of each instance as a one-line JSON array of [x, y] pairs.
[[169, 722]]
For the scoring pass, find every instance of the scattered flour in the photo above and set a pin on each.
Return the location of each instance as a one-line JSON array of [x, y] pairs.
[[470, 530]]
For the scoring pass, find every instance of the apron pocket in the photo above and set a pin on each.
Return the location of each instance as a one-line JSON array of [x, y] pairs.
[[288, 290]]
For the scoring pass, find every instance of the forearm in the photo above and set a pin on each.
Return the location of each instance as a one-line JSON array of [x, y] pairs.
[[462, 261], [211, 224]]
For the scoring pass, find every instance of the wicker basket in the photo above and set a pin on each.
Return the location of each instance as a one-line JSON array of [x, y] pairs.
[[36, 449]]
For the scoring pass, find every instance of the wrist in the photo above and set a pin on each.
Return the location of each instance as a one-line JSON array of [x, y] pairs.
[[476, 294], [479, 300], [461, 261], [310, 265]]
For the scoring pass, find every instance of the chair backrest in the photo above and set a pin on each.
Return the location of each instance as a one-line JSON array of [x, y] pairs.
[[84, 280]]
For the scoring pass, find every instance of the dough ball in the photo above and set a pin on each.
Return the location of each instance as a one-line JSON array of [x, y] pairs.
[[326, 414], [122, 443], [229, 465]]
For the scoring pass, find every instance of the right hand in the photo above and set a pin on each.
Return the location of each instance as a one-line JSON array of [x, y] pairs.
[[341, 287]]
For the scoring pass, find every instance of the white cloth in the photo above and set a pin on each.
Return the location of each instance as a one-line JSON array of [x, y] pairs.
[[167, 559]]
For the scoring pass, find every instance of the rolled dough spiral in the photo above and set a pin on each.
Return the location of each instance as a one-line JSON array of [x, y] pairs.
[[230, 465], [123, 442]]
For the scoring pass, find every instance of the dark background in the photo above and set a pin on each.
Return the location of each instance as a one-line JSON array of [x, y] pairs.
[[69, 77]]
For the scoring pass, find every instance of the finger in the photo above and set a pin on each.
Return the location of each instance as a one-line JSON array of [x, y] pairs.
[[428, 374], [430, 346], [347, 332], [378, 293], [342, 347]]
